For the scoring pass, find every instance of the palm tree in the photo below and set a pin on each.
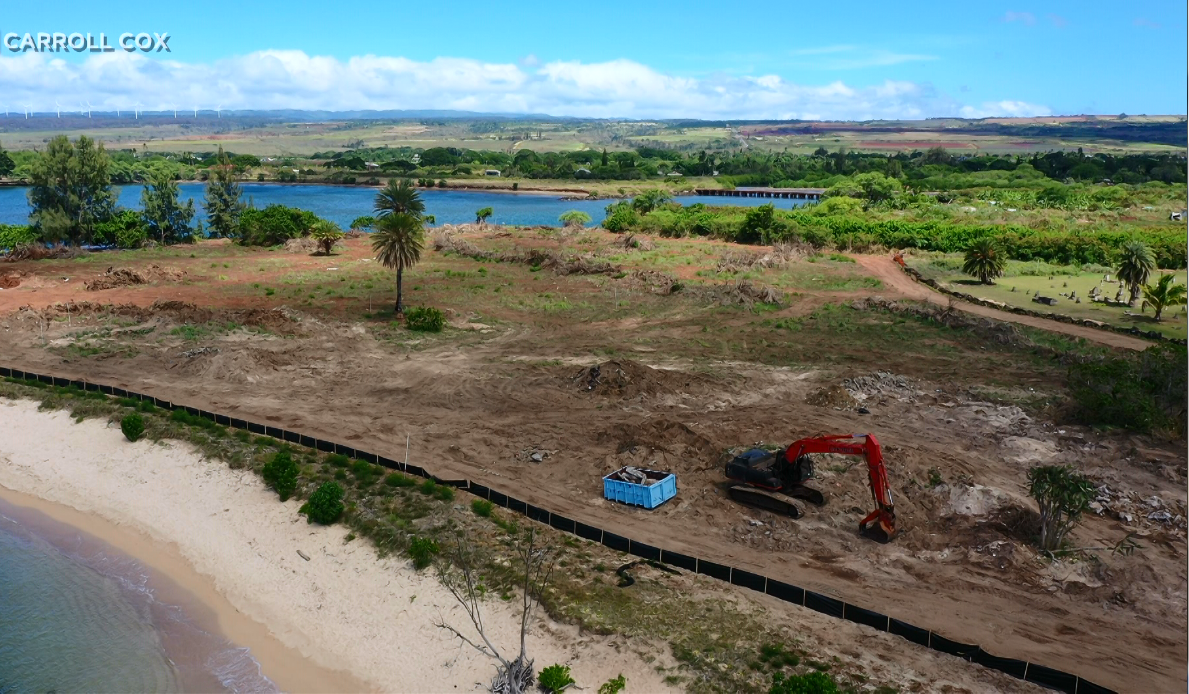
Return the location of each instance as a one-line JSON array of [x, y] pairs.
[[399, 197], [1165, 293], [1135, 266], [984, 261], [397, 241]]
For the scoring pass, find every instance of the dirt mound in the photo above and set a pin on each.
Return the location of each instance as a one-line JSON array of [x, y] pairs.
[[274, 320], [10, 280], [626, 378], [879, 383], [124, 277], [997, 331], [740, 293], [304, 244], [238, 366], [832, 396]]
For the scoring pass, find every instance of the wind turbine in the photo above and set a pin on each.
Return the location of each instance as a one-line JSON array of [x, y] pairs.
[[136, 111], [195, 111], [219, 111], [175, 111], [26, 111], [88, 109], [59, 107]]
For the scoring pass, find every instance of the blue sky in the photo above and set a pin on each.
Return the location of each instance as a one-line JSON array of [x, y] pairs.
[[631, 59]]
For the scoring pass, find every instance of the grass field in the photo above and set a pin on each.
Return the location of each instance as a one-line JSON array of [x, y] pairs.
[[266, 136], [1023, 280]]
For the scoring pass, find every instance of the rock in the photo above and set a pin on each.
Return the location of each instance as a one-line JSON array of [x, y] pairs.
[[536, 457], [1096, 507], [863, 410], [1161, 516]]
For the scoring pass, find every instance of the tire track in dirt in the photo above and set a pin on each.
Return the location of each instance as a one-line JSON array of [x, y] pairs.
[[887, 271]]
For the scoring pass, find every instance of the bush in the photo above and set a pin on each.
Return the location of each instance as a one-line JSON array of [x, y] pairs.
[[613, 686], [280, 473], [555, 678], [1141, 392], [338, 460], [398, 480], [133, 426], [274, 225], [812, 683], [422, 551], [13, 235], [325, 505], [1062, 495], [124, 230], [425, 319], [482, 507], [574, 218]]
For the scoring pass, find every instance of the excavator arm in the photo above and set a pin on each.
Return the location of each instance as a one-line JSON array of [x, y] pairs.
[[880, 524]]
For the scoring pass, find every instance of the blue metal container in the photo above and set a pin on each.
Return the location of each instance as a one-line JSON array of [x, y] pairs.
[[662, 488]]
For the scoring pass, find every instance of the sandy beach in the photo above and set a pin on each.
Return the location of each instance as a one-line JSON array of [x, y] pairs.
[[342, 621]]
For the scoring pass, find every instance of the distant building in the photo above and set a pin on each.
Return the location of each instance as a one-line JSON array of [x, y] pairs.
[[416, 159], [371, 165], [491, 172], [673, 174]]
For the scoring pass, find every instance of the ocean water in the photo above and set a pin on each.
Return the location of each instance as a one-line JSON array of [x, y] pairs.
[[341, 204], [77, 616]]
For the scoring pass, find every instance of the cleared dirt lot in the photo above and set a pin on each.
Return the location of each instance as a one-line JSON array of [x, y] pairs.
[[694, 373]]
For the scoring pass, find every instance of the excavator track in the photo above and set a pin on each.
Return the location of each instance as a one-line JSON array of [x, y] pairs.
[[757, 498]]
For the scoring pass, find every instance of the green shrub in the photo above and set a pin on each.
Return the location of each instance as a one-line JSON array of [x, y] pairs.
[[280, 473], [124, 230], [133, 426], [398, 480], [13, 235], [422, 551], [613, 686], [1142, 391], [325, 505], [338, 460], [444, 493], [428, 487], [482, 507], [812, 683], [425, 319], [555, 678], [274, 225]]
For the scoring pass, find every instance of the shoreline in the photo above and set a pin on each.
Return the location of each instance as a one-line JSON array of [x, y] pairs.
[[178, 583], [343, 620]]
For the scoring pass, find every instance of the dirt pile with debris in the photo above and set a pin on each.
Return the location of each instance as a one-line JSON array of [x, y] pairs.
[[626, 378], [832, 396], [125, 277]]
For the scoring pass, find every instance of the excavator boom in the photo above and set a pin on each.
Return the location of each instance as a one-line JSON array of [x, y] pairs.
[[880, 524]]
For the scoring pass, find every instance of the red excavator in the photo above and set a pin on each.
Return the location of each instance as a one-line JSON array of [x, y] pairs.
[[764, 472]]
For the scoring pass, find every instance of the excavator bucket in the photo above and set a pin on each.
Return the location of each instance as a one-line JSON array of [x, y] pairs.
[[879, 526]]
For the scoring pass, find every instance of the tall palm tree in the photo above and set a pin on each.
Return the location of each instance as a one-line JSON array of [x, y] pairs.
[[1165, 293], [984, 260], [1135, 266], [398, 240], [399, 197]]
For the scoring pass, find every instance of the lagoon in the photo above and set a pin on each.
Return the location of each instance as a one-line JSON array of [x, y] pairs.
[[341, 204]]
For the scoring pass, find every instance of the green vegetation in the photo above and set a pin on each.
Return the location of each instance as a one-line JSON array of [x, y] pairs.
[[1135, 266], [325, 505], [363, 222], [574, 218], [1062, 495], [223, 205], [397, 242], [482, 507], [70, 191], [811, 683], [168, 220], [482, 214], [984, 261], [133, 426], [1142, 391], [1163, 294], [14, 235], [396, 479], [615, 685], [326, 233], [280, 473], [425, 319], [274, 225], [555, 678], [422, 551]]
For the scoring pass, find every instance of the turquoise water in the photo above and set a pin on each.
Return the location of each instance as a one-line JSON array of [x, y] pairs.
[[341, 204], [77, 616]]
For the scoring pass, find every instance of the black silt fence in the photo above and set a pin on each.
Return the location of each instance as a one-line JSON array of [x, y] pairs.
[[1020, 669]]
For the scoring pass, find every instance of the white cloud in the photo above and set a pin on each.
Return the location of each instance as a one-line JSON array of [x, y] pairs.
[[1005, 109], [1023, 17], [619, 88]]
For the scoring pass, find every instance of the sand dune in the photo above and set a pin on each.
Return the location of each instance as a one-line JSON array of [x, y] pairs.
[[343, 620]]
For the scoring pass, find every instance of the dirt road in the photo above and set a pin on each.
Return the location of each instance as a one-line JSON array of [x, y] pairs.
[[895, 279]]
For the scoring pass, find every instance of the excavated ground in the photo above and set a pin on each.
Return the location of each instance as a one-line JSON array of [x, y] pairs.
[[515, 403]]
